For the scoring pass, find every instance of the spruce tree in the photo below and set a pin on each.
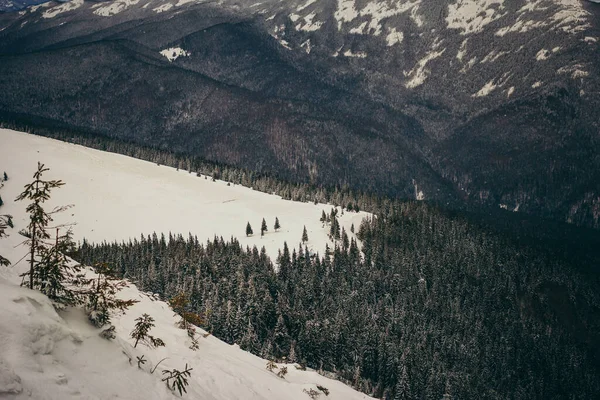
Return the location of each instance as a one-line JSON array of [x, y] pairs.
[[102, 295], [38, 192], [55, 273], [249, 229], [277, 226], [5, 222], [5, 178], [263, 227], [141, 331], [304, 235]]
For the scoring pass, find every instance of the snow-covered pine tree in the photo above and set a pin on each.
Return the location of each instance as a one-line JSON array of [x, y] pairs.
[[102, 295], [304, 235], [249, 229], [276, 226], [5, 222], [55, 273], [263, 227], [141, 331], [38, 192]]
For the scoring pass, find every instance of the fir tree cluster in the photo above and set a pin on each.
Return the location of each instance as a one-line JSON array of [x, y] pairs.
[[431, 306]]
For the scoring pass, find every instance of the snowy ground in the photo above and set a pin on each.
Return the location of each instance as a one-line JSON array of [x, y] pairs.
[[50, 355], [118, 197]]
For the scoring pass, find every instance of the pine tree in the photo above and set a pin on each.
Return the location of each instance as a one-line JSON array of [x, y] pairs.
[[277, 226], [304, 235], [323, 217], [102, 295], [38, 192], [5, 222], [55, 274], [181, 304], [143, 325], [1, 201], [5, 178], [249, 229], [263, 227]]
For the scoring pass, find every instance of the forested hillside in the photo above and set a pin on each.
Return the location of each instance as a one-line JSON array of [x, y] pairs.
[[435, 306]]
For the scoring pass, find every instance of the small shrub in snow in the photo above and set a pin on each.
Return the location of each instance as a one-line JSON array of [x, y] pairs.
[[176, 379], [282, 372], [141, 332], [180, 305], [108, 333], [271, 365], [323, 389], [312, 393], [141, 361]]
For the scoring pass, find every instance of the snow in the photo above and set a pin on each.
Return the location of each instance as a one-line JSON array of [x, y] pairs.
[[510, 91], [163, 8], [471, 16], [542, 55], [173, 53], [108, 187], [346, 12], [394, 37], [462, 52], [486, 89], [537, 85], [576, 71], [376, 12], [309, 25], [567, 15], [419, 73], [62, 8], [115, 7], [306, 46], [45, 354], [358, 54], [306, 5]]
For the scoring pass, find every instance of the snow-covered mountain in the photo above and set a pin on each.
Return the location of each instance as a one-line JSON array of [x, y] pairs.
[[456, 95], [50, 355]]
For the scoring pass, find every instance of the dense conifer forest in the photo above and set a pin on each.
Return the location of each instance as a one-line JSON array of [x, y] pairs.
[[426, 305]]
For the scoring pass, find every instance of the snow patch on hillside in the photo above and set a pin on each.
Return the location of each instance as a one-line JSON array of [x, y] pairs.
[[376, 12], [567, 15], [309, 25], [420, 73], [471, 16], [62, 8], [115, 7], [163, 8], [486, 89], [358, 54], [394, 37], [542, 55], [173, 53]]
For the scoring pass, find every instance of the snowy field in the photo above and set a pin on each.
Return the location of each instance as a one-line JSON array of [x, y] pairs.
[[118, 197], [50, 355]]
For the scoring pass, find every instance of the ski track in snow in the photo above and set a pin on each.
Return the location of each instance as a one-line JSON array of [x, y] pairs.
[[50, 355]]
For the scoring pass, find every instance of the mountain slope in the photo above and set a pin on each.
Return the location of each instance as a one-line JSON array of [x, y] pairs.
[[50, 355], [453, 94]]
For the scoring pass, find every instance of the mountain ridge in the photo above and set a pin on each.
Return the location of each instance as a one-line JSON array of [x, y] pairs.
[[416, 74]]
